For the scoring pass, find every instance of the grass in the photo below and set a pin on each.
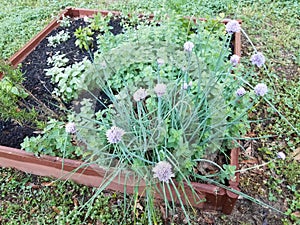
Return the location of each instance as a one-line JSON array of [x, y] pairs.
[[273, 26], [35, 200]]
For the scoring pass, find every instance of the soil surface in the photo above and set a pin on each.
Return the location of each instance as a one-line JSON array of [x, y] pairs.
[[40, 86]]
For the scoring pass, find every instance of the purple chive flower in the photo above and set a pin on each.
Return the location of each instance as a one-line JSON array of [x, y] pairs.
[[160, 89], [163, 171], [234, 60], [70, 128], [233, 26], [258, 59], [260, 89], [281, 155], [186, 85], [140, 94], [103, 64], [114, 134], [160, 62], [188, 46], [240, 92]]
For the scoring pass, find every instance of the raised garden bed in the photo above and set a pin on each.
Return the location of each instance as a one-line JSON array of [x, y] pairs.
[[92, 175]]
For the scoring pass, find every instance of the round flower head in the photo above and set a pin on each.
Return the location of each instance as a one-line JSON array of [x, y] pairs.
[[186, 85], [234, 60], [160, 62], [281, 155], [258, 59], [140, 94], [103, 65], [160, 89], [86, 19], [260, 89], [240, 92], [233, 26], [114, 134], [70, 128], [188, 46], [163, 171]]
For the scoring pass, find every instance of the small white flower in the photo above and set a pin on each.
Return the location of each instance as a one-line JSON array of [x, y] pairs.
[[188, 46], [70, 128], [103, 65], [86, 19], [140, 94], [163, 171], [186, 85], [160, 89], [160, 62], [114, 134]]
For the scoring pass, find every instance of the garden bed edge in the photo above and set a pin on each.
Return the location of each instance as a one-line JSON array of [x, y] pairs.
[[92, 175]]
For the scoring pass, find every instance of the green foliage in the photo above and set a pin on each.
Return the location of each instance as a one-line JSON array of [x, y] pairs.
[[84, 37], [21, 22], [130, 62], [294, 204], [180, 126], [58, 60], [67, 78], [106, 209], [100, 23], [48, 201], [65, 21], [202, 8], [12, 95], [24, 19], [227, 173], [135, 52], [54, 141], [18, 27], [59, 38]]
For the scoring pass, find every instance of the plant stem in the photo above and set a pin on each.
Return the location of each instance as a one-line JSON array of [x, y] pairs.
[[43, 106]]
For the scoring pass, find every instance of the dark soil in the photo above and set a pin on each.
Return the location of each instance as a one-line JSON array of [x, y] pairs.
[[40, 86], [13, 134]]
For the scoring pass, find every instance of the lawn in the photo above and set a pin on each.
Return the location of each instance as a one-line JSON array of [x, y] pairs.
[[273, 27]]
